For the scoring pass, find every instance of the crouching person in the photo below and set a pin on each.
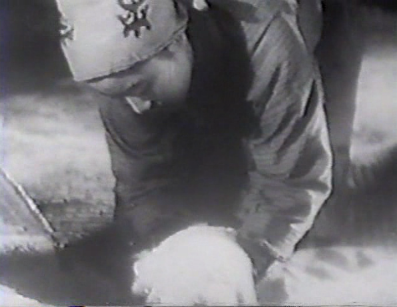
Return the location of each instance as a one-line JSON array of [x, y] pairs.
[[215, 126]]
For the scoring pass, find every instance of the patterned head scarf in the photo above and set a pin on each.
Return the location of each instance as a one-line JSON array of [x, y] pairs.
[[101, 37]]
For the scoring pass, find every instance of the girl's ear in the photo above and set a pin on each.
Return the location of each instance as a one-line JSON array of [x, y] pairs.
[[181, 43]]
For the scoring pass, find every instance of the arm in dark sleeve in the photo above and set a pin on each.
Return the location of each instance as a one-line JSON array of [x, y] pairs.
[[144, 164], [291, 172]]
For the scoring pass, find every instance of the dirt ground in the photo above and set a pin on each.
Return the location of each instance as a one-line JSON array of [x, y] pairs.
[[52, 143]]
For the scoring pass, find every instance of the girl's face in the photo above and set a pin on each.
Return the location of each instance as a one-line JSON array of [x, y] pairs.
[[164, 79]]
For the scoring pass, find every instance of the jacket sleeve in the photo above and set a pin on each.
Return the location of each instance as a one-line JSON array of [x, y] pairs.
[[290, 177]]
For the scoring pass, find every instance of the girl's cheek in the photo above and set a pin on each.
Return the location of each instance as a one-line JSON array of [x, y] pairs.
[[172, 83]]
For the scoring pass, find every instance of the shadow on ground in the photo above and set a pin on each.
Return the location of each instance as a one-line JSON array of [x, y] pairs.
[[93, 272]]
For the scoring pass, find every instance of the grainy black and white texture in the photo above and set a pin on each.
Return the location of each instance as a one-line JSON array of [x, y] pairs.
[[53, 145]]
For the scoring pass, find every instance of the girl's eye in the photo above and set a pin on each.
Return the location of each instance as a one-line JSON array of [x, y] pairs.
[[138, 89]]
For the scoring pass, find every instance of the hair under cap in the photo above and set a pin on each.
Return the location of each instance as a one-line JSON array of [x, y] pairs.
[[101, 37]]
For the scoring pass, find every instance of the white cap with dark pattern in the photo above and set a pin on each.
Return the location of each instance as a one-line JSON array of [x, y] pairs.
[[101, 37]]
